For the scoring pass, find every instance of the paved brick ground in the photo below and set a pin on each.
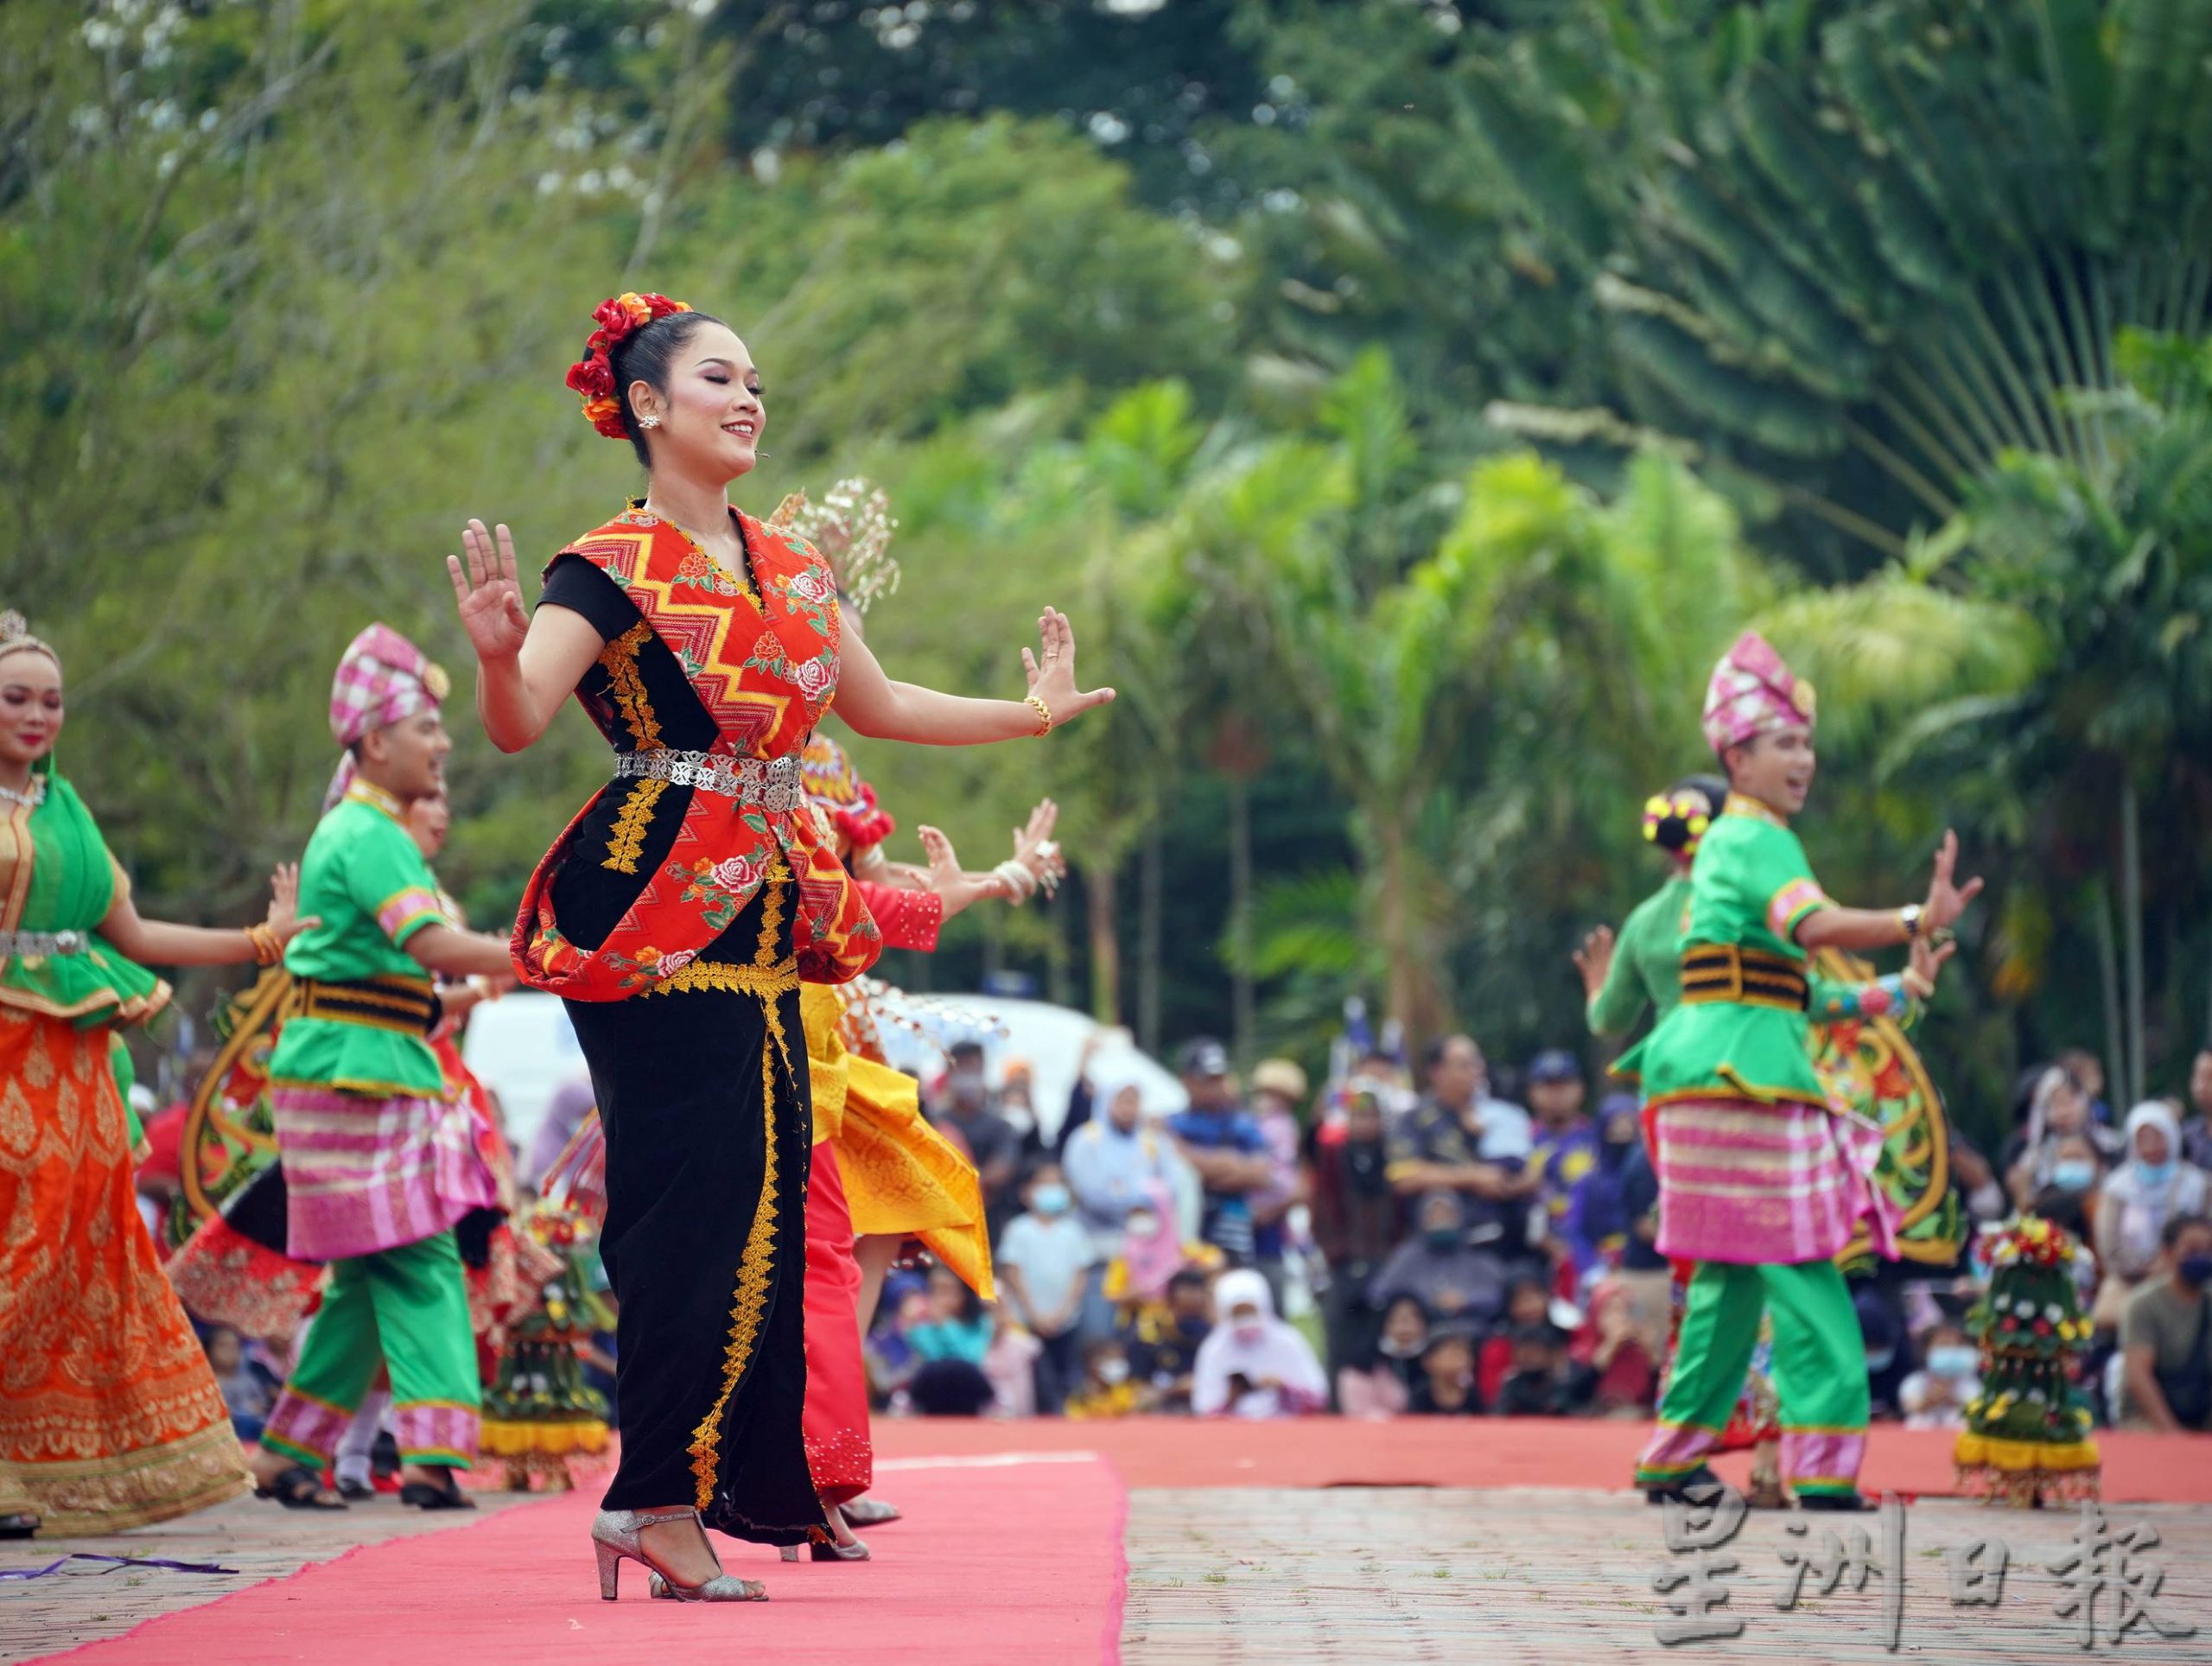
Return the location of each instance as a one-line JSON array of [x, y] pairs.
[[1263, 1575], [263, 1540], [1268, 1577]]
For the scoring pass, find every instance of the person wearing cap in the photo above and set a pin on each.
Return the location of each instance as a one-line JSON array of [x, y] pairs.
[[1219, 1139], [1567, 1145], [1761, 1179], [379, 1154], [1461, 1140]]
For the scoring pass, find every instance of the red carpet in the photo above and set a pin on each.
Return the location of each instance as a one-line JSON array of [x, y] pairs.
[[1482, 1452], [1026, 1556]]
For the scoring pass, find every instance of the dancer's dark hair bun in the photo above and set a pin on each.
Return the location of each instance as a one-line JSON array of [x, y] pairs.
[[1677, 819]]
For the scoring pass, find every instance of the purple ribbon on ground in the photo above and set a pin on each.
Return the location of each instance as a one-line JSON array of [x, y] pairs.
[[118, 1561]]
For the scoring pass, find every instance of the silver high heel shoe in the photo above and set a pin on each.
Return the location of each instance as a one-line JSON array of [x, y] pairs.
[[832, 1552], [614, 1535], [659, 1586]]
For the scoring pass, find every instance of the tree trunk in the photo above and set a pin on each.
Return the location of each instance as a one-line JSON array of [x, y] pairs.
[[1415, 995], [2108, 981], [1241, 1003], [1151, 909], [2131, 907], [1105, 948]]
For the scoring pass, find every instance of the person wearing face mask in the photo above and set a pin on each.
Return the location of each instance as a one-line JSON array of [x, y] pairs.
[[2056, 1139], [2139, 1197], [1253, 1364], [1044, 1258], [1452, 1279], [2166, 1337], [1380, 1380], [965, 1108], [1935, 1395], [1107, 1389]]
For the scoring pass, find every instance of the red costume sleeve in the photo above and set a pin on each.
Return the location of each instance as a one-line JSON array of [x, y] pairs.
[[908, 919]]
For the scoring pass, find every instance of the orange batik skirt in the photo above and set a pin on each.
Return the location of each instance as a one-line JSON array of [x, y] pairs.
[[108, 1416]]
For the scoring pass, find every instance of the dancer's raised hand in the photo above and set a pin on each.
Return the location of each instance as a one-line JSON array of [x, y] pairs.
[[487, 595], [1052, 676], [1032, 844], [1947, 900], [1594, 959], [1925, 962], [283, 917]]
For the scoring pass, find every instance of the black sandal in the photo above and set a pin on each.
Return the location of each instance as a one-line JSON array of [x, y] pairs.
[[299, 1489], [20, 1526], [423, 1495]]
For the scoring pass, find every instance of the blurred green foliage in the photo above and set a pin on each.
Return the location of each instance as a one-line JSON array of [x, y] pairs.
[[1226, 325]]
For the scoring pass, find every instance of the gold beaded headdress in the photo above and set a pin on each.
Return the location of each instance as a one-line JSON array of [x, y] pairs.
[[16, 637], [851, 530]]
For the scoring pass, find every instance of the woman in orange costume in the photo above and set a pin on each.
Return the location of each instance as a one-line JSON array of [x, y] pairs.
[[109, 1416], [679, 912]]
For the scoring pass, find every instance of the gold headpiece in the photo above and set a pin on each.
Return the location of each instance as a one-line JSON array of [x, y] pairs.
[[16, 637], [851, 530]]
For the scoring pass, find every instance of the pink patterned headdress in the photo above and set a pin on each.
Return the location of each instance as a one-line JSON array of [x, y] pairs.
[[1753, 693], [383, 679]]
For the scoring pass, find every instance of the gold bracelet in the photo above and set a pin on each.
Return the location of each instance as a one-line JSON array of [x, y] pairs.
[[1043, 714], [267, 951]]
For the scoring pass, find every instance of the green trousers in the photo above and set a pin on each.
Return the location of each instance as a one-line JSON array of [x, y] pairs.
[[405, 1309], [1820, 1372]]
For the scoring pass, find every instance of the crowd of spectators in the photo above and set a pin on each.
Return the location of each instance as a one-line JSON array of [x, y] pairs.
[[1438, 1243]]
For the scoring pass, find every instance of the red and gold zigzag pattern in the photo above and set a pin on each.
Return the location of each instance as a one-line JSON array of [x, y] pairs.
[[714, 630]]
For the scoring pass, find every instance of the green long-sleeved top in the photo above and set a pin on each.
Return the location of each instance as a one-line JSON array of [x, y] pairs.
[[1647, 969]]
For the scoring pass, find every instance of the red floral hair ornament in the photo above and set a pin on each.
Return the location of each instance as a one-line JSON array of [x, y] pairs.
[[592, 376]]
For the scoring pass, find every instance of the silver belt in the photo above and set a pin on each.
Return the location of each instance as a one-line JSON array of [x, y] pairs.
[[772, 783], [31, 944]]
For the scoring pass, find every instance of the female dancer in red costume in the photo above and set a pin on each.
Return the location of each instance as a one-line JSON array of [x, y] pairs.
[[682, 908]]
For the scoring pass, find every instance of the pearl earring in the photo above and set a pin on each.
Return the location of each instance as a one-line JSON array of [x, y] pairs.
[[648, 422]]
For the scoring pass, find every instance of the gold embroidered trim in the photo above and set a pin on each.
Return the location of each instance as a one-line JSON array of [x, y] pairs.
[[765, 981], [619, 657], [756, 1263], [629, 840]]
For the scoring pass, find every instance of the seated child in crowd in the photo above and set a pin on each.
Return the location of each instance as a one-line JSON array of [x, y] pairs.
[[1935, 1395], [1163, 1340], [1528, 1302], [1445, 1387], [1253, 1364], [1541, 1381], [1106, 1390], [1379, 1380]]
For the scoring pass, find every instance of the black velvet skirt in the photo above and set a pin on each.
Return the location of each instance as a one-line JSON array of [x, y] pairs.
[[706, 1103]]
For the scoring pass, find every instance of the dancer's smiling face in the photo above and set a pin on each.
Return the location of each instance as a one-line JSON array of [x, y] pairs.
[[30, 706], [711, 411], [1776, 768]]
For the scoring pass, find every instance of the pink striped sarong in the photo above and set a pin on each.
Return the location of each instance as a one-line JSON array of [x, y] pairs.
[[366, 1174], [1751, 1183]]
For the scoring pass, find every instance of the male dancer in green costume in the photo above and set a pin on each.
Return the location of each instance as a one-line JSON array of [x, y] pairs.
[[380, 1159], [1761, 1181]]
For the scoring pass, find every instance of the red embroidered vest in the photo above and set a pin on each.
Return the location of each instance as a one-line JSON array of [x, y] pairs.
[[766, 671]]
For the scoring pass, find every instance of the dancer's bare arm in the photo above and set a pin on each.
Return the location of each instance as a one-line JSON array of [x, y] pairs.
[[526, 667], [875, 705]]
